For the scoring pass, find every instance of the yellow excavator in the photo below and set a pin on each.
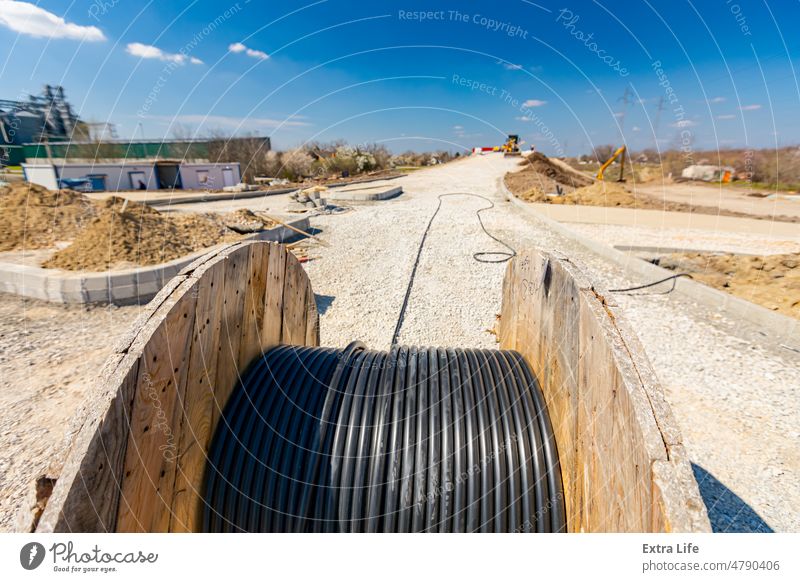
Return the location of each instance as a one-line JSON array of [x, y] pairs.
[[609, 161], [511, 147]]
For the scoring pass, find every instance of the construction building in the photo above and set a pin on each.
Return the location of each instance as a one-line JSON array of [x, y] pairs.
[[39, 118], [124, 175]]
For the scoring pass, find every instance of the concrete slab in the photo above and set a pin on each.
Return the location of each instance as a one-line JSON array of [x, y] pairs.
[[363, 193]]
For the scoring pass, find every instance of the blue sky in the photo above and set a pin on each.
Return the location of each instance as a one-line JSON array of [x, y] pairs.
[[420, 75]]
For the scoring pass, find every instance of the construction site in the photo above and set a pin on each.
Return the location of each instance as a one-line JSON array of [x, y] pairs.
[[474, 254], [469, 327]]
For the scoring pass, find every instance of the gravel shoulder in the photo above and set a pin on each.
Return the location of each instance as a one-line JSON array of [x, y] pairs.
[[49, 355]]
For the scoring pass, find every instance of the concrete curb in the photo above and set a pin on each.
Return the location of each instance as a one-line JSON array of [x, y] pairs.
[[364, 194], [216, 197], [125, 287], [233, 196], [780, 327]]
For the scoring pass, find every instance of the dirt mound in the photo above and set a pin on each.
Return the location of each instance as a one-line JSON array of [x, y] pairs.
[[772, 281], [604, 193], [33, 217], [125, 233], [540, 163], [245, 221], [597, 194]]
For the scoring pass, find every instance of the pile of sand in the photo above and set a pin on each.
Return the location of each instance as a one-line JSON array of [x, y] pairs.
[[127, 234], [540, 177], [541, 164], [772, 281], [112, 233], [604, 193], [245, 221], [33, 217]]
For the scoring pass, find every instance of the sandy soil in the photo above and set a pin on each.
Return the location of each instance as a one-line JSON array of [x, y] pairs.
[[542, 180], [772, 281], [80, 233], [33, 217]]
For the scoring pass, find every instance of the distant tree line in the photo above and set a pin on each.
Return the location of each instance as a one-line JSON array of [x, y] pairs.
[[768, 167], [314, 160]]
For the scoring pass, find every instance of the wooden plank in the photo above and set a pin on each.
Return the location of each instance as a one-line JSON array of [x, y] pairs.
[[230, 335], [543, 310], [151, 454], [614, 430], [139, 456], [273, 301], [195, 429], [677, 505], [251, 343], [87, 496], [312, 318], [294, 306], [615, 453]]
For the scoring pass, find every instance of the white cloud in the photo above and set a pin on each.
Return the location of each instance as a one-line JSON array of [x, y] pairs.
[[717, 100], [27, 18], [726, 116], [637, 128], [238, 47], [458, 127], [750, 107], [511, 67], [148, 51], [534, 103]]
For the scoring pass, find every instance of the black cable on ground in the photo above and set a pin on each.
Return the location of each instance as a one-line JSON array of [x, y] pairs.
[[481, 257], [414, 439], [672, 278]]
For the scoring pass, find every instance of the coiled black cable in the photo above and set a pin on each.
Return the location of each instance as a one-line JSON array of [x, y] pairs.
[[357, 440]]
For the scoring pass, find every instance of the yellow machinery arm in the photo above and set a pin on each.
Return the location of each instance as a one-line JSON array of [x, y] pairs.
[[619, 152]]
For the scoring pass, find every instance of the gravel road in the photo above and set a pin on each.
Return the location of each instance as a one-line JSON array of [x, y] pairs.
[[49, 355], [734, 394]]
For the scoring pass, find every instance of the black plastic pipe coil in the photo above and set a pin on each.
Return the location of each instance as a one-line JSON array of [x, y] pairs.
[[410, 440]]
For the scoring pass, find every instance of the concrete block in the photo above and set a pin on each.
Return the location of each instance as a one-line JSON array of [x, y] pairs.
[[33, 285], [169, 271], [73, 297], [121, 280], [122, 293], [97, 295], [72, 284], [34, 291], [148, 288], [147, 275], [52, 286], [95, 283]]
